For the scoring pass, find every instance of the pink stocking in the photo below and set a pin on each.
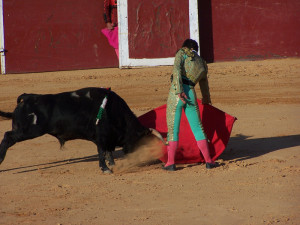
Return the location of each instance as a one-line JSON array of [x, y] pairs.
[[204, 148], [171, 152]]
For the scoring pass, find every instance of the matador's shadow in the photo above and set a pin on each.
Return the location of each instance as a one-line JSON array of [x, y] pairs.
[[243, 147]]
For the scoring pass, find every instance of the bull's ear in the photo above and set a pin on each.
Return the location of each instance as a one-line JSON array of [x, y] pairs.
[[20, 98], [157, 134]]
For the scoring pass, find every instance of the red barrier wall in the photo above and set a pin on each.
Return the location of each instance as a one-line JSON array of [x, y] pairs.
[[157, 28], [50, 35], [243, 29]]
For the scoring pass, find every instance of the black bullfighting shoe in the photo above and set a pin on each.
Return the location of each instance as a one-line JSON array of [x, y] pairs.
[[212, 165], [170, 168]]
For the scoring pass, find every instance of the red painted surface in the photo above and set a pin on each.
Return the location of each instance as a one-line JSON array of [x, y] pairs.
[[243, 29], [157, 28], [52, 35]]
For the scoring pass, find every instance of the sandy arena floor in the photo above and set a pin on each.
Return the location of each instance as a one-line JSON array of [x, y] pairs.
[[259, 181]]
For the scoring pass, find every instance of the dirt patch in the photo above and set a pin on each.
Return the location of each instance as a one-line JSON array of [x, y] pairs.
[[258, 182]]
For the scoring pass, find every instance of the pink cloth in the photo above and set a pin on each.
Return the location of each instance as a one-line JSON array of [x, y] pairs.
[[112, 37], [216, 123]]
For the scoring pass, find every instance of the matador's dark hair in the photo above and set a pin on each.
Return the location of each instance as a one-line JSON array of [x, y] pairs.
[[190, 43]]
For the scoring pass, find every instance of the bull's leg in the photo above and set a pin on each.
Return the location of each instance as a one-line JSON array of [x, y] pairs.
[[109, 157], [102, 163], [7, 142], [11, 138], [104, 140]]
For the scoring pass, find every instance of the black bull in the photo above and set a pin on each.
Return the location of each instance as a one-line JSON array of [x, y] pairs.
[[72, 115]]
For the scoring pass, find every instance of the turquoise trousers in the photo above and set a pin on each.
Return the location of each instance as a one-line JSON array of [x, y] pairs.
[[191, 109]]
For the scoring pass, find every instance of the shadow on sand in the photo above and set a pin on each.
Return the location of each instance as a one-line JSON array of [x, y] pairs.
[[43, 166], [243, 147], [239, 148]]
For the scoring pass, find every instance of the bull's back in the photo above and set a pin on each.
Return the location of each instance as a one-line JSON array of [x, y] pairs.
[[72, 115]]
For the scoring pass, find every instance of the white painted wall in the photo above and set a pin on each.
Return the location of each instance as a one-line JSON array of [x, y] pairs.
[[125, 61]]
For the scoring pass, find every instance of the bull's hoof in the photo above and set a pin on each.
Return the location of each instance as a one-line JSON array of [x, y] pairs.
[[107, 171], [111, 163]]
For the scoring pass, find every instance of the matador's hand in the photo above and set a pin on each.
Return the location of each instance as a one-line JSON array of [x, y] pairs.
[[182, 97], [110, 26]]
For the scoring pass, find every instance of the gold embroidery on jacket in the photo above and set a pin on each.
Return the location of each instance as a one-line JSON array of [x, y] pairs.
[[189, 64]]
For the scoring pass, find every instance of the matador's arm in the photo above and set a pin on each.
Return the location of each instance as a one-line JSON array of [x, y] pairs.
[[178, 71], [107, 12]]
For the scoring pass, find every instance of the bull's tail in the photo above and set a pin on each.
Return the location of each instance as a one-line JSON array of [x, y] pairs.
[[8, 115]]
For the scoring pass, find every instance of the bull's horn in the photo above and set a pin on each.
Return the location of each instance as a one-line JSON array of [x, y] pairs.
[[157, 134]]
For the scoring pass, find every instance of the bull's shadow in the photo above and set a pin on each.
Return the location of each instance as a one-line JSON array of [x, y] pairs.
[[43, 166], [239, 148], [243, 147]]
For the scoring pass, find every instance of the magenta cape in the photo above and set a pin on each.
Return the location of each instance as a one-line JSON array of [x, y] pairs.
[[112, 36], [216, 123]]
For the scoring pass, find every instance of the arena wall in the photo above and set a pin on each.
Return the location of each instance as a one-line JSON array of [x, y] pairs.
[[249, 30], [52, 35], [159, 32], [150, 32], [66, 35]]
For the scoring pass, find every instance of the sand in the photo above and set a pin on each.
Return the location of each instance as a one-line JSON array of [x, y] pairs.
[[258, 182]]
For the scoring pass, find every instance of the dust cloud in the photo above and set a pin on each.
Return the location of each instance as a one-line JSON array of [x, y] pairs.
[[148, 150]]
